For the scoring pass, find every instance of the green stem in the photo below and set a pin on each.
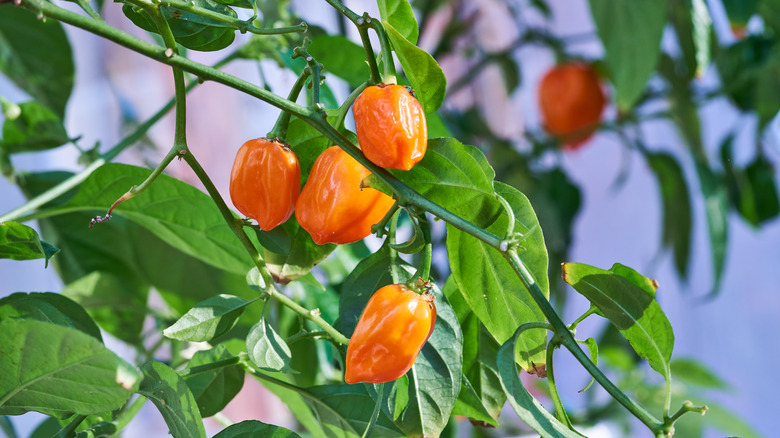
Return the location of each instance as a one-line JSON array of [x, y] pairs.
[[686, 407], [279, 130], [341, 114], [337, 5], [387, 53], [138, 189], [560, 411], [510, 228], [69, 430], [394, 274], [315, 71], [374, 415], [236, 225], [305, 335], [379, 227], [84, 4], [311, 315], [568, 341], [210, 366], [363, 24], [424, 268], [591, 310]]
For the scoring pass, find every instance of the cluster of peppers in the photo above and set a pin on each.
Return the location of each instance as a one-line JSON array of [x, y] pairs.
[[334, 208]]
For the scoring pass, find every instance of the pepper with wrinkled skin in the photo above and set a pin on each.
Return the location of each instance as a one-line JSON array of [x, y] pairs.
[[265, 182], [389, 335], [391, 127], [571, 101], [333, 207]]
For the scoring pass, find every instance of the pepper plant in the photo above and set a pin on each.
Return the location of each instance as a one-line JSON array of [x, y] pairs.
[[276, 306]]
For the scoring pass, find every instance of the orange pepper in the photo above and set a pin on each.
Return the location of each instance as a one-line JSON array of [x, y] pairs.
[[333, 207], [265, 182], [571, 101], [389, 335], [391, 127]]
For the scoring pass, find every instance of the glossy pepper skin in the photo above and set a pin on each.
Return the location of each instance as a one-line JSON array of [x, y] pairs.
[[389, 335], [571, 101], [265, 182], [332, 206], [391, 127]]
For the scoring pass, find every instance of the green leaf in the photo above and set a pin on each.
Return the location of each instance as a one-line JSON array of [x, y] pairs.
[[630, 308], [399, 14], [424, 74], [173, 399], [676, 204], [760, 175], [36, 56], [695, 373], [214, 389], [525, 405], [266, 349], [255, 429], [341, 57], [299, 258], [20, 242], [57, 370], [458, 177], [492, 289], [716, 207], [191, 30], [479, 357], [739, 67], [208, 319], [435, 377], [470, 405], [176, 212], [48, 307], [767, 90], [344, 410], [631, 32], [37, 128], [118, 306]]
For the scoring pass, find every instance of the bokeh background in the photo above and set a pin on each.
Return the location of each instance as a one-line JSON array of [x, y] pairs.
[[619, 221]]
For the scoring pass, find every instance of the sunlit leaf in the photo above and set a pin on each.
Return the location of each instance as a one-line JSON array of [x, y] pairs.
[[208, 319], [630, 308], [400, 15], [266, 349], [48, 307], [492, 289], [20, 242], [56, 370], [173, 399], [423, 72]]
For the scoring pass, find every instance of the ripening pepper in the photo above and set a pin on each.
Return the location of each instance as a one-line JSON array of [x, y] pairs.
[[390, 125], [333, 207], [265, 182]]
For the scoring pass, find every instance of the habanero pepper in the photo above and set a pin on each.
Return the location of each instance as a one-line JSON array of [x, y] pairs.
[[390, 126], [333, 207], [265, 182], [389, 335]]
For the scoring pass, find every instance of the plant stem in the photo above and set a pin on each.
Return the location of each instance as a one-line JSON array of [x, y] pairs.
[[363, 24], [387, 53], [341, 114], [279, 131], [69, 430], [210, 366], [591, 310], [424, 268], [560, 411], [375, 414], [568, 341], [311, 315]]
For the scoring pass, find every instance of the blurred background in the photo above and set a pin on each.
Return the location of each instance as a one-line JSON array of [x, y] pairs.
[[617, 216]]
